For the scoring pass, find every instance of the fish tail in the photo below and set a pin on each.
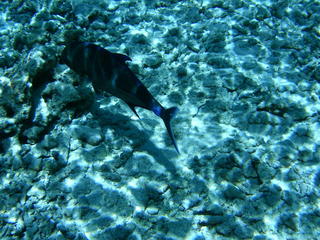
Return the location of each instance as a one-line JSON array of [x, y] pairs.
[[167, 115]]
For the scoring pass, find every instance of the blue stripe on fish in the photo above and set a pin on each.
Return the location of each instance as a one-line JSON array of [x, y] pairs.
[[157, 110], [109, 72]]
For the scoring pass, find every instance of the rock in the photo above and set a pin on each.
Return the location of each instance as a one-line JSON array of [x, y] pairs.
[[262, 13], [232, 192], [212, 209], [51, 26], [248, 46], [139, 39], [56, 189], [249, 64], [292, 199], [49, 142], [316, 179], [174, 32], [99, 223], [152, 211], [84, 186], [215, 41], [218, 62], [292, 174], [95, 154], [7, 128], [278, 9], [87, 135], [86, 213], [243, 232], [53, 165], [153, 61], [33, 134], [181, 71], [289, 220], [147, 194], [60, 7], [198, 186], [59, 96], [213, 221], [67, 233], [180, 227], [176, 98], [117, 202], [36, 164], [261, 237], [302, 134], [227, 227], [192, 15], [16, 163], [310, 219], [254, 86], [198, 237], [250, 169], [235, 175], [271, 194], [114, 177], [265, 172], [117, 232], [27, 160]]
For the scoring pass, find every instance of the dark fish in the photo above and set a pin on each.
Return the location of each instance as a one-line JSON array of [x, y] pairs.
[[109, 72]]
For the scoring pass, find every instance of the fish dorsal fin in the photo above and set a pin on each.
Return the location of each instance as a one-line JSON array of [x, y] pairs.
[[121, 57]]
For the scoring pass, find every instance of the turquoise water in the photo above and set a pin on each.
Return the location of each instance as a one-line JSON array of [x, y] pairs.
[[79, 165]]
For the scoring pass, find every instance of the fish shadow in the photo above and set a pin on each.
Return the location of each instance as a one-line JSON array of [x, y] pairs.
[[123, 126]]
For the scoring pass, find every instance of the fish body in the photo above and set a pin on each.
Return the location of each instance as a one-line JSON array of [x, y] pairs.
[[109, 73]]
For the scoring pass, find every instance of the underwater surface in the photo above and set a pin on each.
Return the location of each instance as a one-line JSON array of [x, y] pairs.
[[79, 164]]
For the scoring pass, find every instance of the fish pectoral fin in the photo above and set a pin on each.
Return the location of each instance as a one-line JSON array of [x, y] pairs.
[[121, 57], [132, 107]]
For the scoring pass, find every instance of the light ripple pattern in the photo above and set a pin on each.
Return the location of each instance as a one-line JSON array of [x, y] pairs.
[[245, 76]]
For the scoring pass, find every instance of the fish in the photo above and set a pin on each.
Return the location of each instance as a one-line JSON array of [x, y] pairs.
[[110, 73]]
